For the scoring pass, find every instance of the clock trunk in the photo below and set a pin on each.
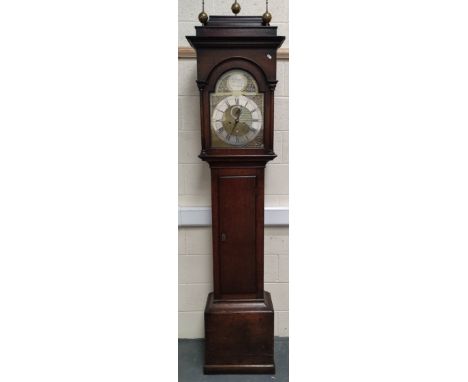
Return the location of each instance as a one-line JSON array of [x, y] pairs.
[[237, 266], [237, 216]]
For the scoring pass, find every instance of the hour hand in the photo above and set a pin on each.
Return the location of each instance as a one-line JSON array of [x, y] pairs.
[[237, 113]]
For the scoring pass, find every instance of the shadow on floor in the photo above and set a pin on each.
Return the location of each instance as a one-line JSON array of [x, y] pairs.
[[191, 364]]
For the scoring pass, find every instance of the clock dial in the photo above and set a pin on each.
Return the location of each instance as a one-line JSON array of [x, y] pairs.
[[236, 120], [237, 111]]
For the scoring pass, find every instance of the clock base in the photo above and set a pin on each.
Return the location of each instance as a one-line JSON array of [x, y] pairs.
[[239, 336]]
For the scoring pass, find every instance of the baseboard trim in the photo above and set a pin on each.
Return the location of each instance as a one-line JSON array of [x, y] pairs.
[[201, 216]]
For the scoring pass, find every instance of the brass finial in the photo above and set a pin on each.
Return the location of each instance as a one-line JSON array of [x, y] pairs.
[[203, 17], [235, 7], [266, 18]]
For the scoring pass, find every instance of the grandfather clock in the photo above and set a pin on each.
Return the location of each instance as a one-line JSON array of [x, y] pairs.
[[236, 76]]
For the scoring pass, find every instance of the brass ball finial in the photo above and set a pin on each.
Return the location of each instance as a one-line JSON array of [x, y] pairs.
[[266, 18], [203, 17], [235, 8]]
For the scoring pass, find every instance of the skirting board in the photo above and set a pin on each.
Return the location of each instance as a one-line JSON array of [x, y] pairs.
[[201, 216]]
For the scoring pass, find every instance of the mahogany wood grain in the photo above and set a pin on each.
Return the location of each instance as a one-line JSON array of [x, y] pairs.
[[239, 336]]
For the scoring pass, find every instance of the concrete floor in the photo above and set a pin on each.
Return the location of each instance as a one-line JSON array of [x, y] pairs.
[[191, 364]]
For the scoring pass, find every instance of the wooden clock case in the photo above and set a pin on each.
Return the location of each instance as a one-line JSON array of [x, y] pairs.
[[239, 316]]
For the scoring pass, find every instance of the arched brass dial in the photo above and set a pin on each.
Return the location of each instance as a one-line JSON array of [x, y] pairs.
[[236, 111]]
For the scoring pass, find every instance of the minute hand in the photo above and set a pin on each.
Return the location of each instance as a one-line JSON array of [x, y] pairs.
[[238, 113], [233, 127]]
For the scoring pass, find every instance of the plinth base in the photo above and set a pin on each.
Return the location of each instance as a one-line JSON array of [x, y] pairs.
[[239, 336]]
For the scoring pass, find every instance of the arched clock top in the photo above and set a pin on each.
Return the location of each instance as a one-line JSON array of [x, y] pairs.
[[237, 81], [236, 122], [237, 109], [241, 64]]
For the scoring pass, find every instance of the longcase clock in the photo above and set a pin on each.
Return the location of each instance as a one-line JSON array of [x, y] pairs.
[[236, 76]]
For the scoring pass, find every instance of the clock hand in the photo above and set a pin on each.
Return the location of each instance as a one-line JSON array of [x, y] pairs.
[[233, 127], [237, 112]]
